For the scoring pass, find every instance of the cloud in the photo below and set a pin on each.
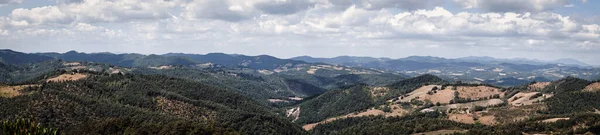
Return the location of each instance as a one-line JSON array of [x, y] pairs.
[[345, 27], [402, 4], [513, 5], [284, 6], [92, 11], [226, 10], [3, 2]]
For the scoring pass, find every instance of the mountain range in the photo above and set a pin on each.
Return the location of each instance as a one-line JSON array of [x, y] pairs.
[[105, 93]]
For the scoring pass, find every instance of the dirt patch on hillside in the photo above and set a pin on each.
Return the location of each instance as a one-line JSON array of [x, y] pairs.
[[312, 71], [67, 77], [442, 132], [395, 111], [554, 120], [462, 118], [538, 86], [274, 100], [487, 120], [12, 91], [527, 98], [593, 87], [182, 109], [478, 92], [469, 119]]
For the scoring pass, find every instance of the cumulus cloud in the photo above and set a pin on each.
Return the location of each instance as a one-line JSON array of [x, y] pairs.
[[226, 10], [284, 6], [402, 4], [513, 5], [368, 26], [91, 11]]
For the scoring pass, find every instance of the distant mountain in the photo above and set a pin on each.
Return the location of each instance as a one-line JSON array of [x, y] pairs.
[[255, 62], [340, 59], [569, 61], [513, 71], [18, 58]]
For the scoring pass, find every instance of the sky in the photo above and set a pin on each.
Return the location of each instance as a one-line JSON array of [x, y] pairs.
[[535, 29]]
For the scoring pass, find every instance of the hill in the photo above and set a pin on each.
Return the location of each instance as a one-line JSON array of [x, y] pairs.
[[19, 58], [143, 104]]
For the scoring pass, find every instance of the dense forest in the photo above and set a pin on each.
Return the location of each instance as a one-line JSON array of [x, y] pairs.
[[335, 103], [143, 104]]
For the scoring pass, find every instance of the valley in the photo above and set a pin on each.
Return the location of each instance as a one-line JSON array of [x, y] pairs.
[[236, 94]]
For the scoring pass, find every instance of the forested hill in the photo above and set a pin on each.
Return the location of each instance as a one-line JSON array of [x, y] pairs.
[[142, 104]]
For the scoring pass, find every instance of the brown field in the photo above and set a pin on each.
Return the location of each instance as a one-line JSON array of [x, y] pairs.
[[522, 98], [593, 87], [419, 92], [477, 92], [12, 91], [468, 119], [554, 120], [538, 86], [441, 132], [487, 120], [462, 118], [396, 111], [442, 96], [67, 77]]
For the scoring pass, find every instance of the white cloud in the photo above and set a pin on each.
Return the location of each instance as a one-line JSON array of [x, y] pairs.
[[330, 27], [513, 5]]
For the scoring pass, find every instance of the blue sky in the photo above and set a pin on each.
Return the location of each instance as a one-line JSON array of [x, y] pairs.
[[535, 29]]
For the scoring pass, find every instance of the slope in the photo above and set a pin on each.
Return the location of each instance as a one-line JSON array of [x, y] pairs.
[[143, 104]]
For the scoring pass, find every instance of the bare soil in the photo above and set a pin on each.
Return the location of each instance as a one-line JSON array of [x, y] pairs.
[[524, 98], [67, 77], [554, 120], [478, 92], [593, 87], [12, 91], [396, 111]]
